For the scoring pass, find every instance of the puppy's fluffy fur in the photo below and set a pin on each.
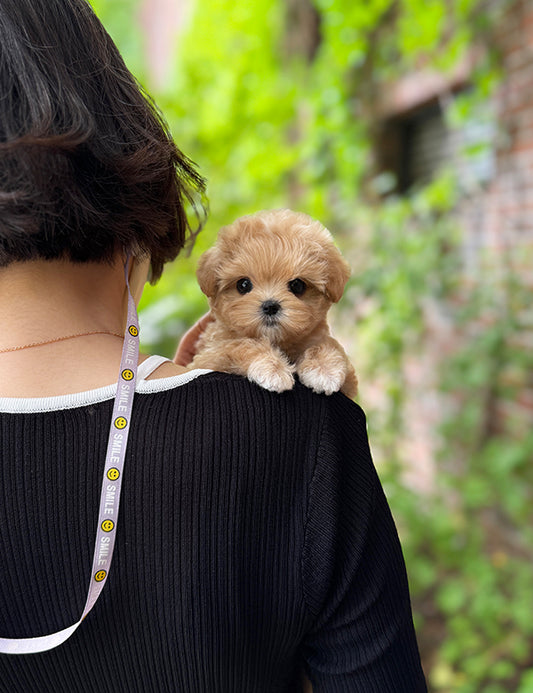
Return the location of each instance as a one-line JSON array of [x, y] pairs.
[[270, 279]]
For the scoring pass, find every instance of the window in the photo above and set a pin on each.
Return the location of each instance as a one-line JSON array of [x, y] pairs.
[[414, 147]]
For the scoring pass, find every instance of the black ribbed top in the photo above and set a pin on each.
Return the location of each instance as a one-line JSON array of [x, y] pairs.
[[253, 541]]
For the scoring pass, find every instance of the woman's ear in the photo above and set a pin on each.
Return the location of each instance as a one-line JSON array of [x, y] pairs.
[[338, 274], [206, 272]]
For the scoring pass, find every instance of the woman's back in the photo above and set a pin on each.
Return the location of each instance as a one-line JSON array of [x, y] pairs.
[[252, 537]]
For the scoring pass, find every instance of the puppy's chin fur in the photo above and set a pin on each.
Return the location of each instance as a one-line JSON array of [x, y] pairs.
[[271, 249]]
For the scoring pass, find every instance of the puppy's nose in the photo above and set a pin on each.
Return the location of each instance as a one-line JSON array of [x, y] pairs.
[[270, 307]]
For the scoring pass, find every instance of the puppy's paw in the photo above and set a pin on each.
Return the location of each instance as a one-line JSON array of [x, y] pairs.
[[271, 372], [320, 380], [322, 370]]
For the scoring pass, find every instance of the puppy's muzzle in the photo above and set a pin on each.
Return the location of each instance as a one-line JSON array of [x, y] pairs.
[[270, 311]]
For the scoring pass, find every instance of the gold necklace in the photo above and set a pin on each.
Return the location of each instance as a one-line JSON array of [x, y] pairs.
[[59, 339]]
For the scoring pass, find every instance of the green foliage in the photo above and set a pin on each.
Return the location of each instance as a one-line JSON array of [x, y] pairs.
[[235, 120], [120, 20], [270, 127], [470, 556]]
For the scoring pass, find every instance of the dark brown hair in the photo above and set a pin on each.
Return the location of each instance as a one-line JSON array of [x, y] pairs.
[[87, 165]]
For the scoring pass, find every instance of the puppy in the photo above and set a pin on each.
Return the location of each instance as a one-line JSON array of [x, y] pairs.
[[270, 279]]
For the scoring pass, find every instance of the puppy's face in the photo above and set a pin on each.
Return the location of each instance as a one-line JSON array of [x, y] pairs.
[[273, 275]]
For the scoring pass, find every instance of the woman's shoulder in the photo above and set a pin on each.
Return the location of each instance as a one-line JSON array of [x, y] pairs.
[[242, 392], [162, 368], [235, 387], [241, 405]]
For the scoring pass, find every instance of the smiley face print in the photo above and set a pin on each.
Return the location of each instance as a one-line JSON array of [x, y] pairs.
[[107, 525]]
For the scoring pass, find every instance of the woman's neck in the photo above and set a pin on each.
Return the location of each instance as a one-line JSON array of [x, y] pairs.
[[48, 300]]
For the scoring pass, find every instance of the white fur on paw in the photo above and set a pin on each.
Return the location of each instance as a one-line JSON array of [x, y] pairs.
[[271, 373], [322, 380]]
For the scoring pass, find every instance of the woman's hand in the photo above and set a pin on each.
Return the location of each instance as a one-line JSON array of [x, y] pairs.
[[187, 346]]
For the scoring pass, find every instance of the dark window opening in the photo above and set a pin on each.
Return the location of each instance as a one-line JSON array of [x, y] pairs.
[[412, 148]]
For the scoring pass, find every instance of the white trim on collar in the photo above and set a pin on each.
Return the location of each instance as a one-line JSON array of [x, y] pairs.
[[33, 405]]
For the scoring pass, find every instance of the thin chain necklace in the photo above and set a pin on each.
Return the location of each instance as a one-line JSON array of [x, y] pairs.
[[59, 339]]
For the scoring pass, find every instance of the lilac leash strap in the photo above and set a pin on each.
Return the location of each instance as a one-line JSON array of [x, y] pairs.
[[110, 493]]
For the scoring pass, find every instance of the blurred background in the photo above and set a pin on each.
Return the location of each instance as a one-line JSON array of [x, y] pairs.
[[406, 127]]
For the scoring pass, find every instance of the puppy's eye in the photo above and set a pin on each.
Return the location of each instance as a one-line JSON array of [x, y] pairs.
[[297, 286], [244, 286]]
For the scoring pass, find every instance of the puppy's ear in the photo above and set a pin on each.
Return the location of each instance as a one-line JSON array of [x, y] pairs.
[[338, 274], [206, 272]]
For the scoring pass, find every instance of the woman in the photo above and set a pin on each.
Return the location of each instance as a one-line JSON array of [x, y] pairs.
[[254, 541]]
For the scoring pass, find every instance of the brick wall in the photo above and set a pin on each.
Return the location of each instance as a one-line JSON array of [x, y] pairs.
[[497, 244], [510, 203], [499, 220]]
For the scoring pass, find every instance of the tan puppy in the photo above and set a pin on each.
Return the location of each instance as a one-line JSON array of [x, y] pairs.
[[270, 279]]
